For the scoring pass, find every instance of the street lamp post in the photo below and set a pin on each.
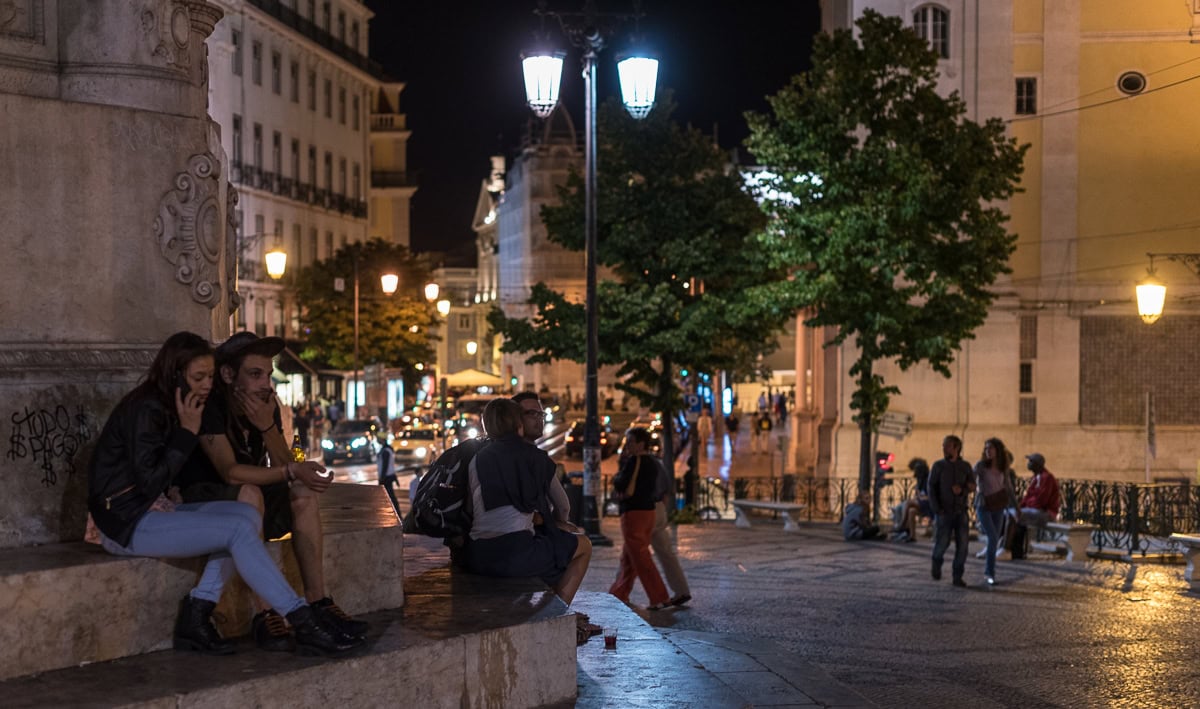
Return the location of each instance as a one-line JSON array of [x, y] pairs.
[[638, 74], [388, 283], [1151, 293]]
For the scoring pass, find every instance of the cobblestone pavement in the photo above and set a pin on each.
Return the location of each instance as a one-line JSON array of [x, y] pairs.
[[1097, 634]]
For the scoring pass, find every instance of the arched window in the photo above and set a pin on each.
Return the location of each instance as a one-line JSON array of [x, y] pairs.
[[932, 24]]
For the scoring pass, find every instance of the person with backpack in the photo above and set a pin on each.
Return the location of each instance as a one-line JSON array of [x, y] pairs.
[[636, 484], [761, 435], [513, 531]]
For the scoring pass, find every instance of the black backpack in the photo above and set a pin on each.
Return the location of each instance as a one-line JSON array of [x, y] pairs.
[[442, 504]]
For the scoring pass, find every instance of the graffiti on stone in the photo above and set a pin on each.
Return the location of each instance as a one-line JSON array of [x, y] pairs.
[[49, 438]]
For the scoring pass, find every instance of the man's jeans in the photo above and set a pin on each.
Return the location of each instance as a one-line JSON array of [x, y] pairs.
[[944, 526]]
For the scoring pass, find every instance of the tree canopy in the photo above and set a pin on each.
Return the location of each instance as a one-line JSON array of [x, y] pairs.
[[386, 323], [886, 202], [676, 231]]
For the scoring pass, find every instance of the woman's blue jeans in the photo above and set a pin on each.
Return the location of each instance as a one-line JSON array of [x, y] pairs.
[[230, 533], [991, 522]]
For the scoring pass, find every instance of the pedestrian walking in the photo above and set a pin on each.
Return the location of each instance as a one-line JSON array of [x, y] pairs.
[[635, 486], [386, 471], [761, 440], [951, 483], [995, 496], [662, 543], [731, 427], [704, 426]]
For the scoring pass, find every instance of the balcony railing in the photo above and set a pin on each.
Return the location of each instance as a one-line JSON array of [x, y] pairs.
[[1135, 519], [386, 178], [306, 27], [381, 122]]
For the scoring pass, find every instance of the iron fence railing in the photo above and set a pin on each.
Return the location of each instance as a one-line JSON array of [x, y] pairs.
[[1134, 519]]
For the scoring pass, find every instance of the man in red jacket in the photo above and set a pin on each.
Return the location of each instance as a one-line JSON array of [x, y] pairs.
[[1039, 505]]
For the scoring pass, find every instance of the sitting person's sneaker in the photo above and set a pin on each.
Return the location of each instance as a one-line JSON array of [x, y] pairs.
[[336, 617], [314, 636], [681, 600], [271, 632]]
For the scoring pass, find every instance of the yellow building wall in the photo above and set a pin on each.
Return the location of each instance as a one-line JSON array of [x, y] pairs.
[[1026, 206], [1126, 16], [1138, 157], [1027, 16]]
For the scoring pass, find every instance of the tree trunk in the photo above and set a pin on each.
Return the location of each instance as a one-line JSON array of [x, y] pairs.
[[865, 454]]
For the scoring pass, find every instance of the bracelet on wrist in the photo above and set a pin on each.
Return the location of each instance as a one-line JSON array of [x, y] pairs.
[[264, 430]]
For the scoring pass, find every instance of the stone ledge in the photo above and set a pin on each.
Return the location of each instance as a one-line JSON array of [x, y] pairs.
[[72, 604]]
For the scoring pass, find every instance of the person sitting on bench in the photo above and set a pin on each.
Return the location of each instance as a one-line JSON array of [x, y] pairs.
[[1039, 505]]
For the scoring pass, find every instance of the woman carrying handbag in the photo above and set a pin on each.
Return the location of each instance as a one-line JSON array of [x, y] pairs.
[[635, 485], [995, 496]]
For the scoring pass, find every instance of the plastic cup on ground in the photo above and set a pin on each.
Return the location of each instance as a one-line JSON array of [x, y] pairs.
[[610, 638]]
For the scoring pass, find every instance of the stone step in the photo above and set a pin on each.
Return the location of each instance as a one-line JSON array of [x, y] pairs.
[[459, 641], [71, 604]]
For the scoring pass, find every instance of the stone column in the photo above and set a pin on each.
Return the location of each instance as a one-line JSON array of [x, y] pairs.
[[115, 206]]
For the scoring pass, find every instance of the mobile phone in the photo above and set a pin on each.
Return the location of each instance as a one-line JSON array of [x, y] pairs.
[[181, 383]]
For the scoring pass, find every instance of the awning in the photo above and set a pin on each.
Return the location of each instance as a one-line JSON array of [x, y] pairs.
[[473, 378]]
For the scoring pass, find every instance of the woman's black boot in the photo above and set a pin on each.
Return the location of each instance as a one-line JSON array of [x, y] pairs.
[[194, 629], [316, 637]]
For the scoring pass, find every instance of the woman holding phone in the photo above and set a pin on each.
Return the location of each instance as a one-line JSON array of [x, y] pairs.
[[144, 444]]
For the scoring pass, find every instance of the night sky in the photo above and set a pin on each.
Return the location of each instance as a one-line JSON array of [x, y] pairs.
[[464, 95]]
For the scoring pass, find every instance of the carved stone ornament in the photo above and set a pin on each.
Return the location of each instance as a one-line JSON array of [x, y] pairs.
[[188, 229], [23, 20], [167, 31], [231, 230]]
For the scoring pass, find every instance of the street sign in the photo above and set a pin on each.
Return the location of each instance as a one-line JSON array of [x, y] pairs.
[[692, 401], [895, 424], [339, 285]]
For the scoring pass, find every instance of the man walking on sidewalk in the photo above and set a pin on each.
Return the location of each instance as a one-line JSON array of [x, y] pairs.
[[951, 482]]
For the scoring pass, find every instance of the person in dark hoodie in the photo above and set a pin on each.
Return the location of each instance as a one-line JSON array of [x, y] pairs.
[[513, 532]]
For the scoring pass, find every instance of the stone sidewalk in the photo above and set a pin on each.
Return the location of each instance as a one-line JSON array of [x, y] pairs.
[[807, 619]]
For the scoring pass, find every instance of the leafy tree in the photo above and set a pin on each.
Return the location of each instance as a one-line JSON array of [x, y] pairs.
[[385, 322], [676, 231], [886, 204]]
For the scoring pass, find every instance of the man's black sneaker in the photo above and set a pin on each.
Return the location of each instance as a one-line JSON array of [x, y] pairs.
[[316, 637], [936, 572], [336, 617], [271, 632], [960, 583]]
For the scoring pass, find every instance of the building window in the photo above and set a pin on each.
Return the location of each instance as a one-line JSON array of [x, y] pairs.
[[345, 240], [297, 257], [312, 90], [329, 244], [328, 98], [312, 11], [294, 81], [1026, 96], [354, 36], [258, 146], [354, 112], [278, 233], [1028, 336], [357, 177], [342, 106], [277, 153], [1028, 411], [341, 27], [312, 165], [260, 317], [256, 63], [932, 24], [237, 53], [295, 160], [279, 318], [1131, 83], [464, 322], [1026, 378], [325, 15], [276, 73], [312, 243], [329, 171], [260, 226], [237, 139], [342, 176]]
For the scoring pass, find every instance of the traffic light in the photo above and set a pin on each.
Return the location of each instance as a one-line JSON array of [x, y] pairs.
[[683, 372], [883, 467], [512, 381]]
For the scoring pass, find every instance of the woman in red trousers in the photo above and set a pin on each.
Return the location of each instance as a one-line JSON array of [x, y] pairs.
[[635, 485]]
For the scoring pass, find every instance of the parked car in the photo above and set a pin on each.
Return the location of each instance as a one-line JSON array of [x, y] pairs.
[[356, 440], [574, 440], [416, 447]]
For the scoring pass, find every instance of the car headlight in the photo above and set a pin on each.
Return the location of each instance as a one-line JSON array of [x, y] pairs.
[[420, 452], [358, 442], [327, 444]]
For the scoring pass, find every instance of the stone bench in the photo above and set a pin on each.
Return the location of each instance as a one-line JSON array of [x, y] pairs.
[[1191, 545], [785, 510], [1073, 540]]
